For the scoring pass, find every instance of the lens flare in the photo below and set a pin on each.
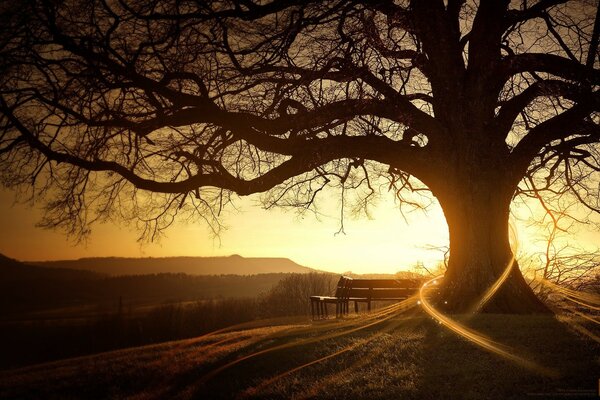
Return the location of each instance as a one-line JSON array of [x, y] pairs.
[[494, 288], [396, 311], [347, 327], [476, 338], [582, 299], [588, 300], [487, 296]]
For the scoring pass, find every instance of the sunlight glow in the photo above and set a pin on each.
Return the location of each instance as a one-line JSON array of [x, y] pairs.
[[384, 242], [582, 299], [588, 300], [475, 337], [577, 326], [346, 326], [500, 281]]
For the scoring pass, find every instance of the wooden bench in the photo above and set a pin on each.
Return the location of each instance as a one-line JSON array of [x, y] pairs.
[[363, 291], [318, 304], [369, 290]]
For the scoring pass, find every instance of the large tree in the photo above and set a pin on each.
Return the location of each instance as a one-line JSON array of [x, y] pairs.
[[119, 108]]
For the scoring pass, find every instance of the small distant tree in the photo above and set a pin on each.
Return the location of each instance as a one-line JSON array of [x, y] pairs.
[[291, 294], [151, 109]]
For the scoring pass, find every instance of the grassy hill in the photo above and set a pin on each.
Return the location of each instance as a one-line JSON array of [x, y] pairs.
[[232, 265], [406, 356], [52, 313]]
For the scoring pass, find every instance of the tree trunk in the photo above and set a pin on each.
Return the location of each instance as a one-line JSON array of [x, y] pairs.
[[477, 212]]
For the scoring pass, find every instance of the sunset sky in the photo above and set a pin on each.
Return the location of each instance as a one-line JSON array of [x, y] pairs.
[[385, 243]]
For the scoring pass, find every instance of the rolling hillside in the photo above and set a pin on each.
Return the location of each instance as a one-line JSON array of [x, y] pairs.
[[100, 282], [232, 265], [49, 313], [406, 357]]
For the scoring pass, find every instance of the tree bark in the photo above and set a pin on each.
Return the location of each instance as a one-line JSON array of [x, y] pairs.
[[477, 209]]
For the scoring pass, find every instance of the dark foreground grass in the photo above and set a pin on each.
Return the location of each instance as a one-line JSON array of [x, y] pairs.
[[408, 356]]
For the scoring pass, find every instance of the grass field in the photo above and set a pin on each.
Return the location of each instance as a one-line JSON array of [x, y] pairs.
[[402, 355]]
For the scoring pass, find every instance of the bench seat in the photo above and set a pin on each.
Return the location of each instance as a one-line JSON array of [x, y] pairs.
[[363, 291]]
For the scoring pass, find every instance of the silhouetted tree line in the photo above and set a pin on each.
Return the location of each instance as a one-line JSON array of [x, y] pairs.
[[33, 341], [290, 296], [27, 295]]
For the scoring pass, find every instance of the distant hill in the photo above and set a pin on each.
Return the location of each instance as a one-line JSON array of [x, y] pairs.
[[99, 282], [232, 265], [13, 271]]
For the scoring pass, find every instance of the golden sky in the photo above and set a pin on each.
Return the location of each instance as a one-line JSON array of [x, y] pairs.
[[386, 243]]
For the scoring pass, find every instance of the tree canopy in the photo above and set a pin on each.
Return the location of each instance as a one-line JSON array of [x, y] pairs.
[[182, 97], [191, 101]]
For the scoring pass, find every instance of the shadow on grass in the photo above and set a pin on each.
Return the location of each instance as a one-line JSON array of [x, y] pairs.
[[397, 355], [413, 357]]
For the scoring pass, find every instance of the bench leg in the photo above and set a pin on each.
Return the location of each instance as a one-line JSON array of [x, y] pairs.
[[356, 307], [369, 306], [340, 309]]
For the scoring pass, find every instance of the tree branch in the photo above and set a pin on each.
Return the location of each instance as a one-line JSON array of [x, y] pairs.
[[550, 63], [535, 11], [593, 49], [306, 155], [511, 109], [571, 122]]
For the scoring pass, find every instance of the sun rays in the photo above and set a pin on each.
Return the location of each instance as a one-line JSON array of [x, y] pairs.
[[587, 300], [580, 305], [487, 296], [386, 320], [342, 328], [475, 337]]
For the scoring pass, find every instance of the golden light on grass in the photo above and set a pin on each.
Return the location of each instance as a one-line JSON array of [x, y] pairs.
[[585, 316], [586, 300], [266, 383], [579, 328], [386, 313], [335, 328], [475, 337], [341, 328]]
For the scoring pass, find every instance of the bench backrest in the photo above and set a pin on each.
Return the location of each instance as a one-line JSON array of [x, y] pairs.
[[383, 288], [343, 286]]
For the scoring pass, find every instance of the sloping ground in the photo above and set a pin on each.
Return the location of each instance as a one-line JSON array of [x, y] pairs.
[[406, 355], [236, 265]]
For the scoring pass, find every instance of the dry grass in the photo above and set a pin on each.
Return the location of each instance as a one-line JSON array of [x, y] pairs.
[[404, 355]]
